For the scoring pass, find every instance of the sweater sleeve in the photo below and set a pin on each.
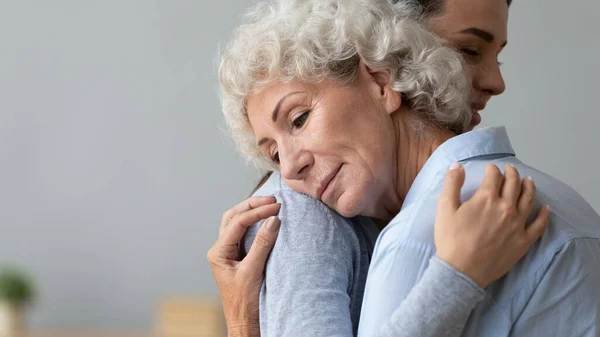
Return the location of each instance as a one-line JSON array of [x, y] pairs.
[[438, 306], [309, 273]]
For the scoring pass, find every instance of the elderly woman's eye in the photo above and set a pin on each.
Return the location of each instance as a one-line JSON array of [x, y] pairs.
[[275, 158], [299, 122]]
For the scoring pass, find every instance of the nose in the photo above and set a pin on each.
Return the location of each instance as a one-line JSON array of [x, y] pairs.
[[489, 79], [294, 162]]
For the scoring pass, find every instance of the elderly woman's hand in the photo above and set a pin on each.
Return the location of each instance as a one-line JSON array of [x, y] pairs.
[[239, 280], [487, 235]]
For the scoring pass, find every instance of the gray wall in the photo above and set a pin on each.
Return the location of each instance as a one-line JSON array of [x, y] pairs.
[[115, 170], [552, 71]]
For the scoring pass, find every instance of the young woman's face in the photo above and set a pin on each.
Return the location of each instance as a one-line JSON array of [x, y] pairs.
[[477, 29]]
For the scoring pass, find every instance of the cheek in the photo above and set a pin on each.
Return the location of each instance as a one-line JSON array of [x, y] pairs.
[[377, 151], [327, 138], [471, 72], [298, 186]]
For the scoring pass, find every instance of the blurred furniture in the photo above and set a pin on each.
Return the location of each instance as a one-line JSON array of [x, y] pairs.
[[174, 318], [82, 334], [190, 318]]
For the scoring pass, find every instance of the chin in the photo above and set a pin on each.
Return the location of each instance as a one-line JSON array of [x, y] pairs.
[[350, 203]]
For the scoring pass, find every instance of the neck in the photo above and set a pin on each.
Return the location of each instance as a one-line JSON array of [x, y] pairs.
[[415, 142]]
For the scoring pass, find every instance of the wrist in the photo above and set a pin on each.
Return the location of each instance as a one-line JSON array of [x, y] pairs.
[[245, 328], [464, 270], [243, 318]]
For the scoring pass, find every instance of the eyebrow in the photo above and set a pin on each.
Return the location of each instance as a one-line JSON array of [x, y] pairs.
[[276, 112], [262, 141], [278, 106], [482, 34]]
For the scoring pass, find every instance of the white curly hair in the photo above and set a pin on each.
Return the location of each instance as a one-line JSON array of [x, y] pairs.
[[313, 40]]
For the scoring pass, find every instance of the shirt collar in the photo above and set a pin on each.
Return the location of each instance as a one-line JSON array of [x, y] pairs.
[[480, 142]]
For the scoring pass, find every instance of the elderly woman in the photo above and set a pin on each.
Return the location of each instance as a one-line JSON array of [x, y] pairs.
[[360, 108]]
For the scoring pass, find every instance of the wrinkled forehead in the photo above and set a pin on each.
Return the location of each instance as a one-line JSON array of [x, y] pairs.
[[262, 100]]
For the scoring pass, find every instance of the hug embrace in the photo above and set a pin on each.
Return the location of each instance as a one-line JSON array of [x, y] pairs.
[[386, 212]]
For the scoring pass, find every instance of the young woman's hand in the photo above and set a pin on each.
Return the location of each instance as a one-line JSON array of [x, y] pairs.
[[239, 280], [487, 235]]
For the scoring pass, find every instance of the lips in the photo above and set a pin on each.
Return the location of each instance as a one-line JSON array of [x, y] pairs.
[[326, 181], [475, 116], [478, 106]]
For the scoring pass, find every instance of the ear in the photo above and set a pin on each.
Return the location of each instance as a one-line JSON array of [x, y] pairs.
[[379, 82]]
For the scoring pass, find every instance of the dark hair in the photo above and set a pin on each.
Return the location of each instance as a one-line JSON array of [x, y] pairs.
[[432, 7], [428, 8], [262, 181]]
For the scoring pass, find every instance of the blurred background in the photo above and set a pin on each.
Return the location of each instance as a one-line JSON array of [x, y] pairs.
[[115, 168]]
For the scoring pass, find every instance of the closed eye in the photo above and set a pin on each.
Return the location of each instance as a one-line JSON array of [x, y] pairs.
[[469, 52]]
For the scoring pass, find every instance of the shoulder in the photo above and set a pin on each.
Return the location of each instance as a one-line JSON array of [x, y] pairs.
[[307, 223], [571, 274], [548, 267], [578, 256]]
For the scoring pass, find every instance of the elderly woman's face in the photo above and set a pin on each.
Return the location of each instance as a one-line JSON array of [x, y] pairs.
[[478, 29], [333, 142]]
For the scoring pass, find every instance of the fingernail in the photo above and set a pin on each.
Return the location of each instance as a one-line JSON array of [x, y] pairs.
[[455, 166], [273, 224], [530, 178], [548, 208]]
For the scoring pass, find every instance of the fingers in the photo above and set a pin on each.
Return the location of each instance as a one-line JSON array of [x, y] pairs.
[[450, 197], [527, 198], [234, 232], [511, 188], [538, 226], [492, 181], [262, 245], [246, 205]]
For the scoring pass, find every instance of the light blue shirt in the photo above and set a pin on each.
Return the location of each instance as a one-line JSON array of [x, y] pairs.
[[553, 291]]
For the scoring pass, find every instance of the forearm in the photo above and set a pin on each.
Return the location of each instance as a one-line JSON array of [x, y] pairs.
[[242, 317], [439, 305]]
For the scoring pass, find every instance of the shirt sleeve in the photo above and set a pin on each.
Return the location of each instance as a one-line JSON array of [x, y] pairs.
[[309, 273], [566, 302], [438, 306]]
